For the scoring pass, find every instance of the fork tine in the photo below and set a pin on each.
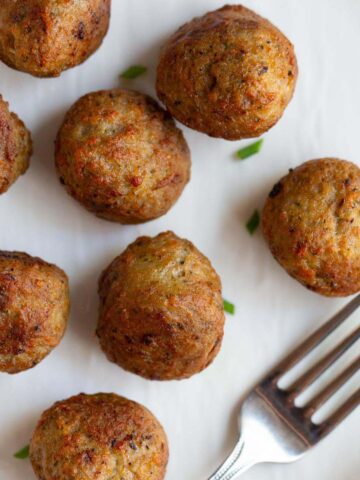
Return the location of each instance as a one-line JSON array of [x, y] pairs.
[[331, 388], [314, 340], [337, 417], [317, 370]]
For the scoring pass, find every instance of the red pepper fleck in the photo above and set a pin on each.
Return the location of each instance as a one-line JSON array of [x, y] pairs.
[[136, 181]]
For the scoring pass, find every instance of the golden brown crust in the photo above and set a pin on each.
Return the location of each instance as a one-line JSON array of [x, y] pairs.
[[15, 147], [161, 309], [229, 74], [34, 309], [46, 37], [121, 156], [311, 222], [99, 437]]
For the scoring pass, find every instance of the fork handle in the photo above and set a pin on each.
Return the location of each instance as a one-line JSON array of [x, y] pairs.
[[236, 463]]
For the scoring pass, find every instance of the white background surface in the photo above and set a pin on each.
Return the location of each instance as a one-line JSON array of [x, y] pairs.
[[273, 311]]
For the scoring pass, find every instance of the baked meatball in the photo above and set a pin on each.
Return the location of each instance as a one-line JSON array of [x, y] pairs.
[[34, 309], [122, 157], [15, 147], [98, 437], [161, 310], [311, 221], [45, 37], [229, 74]]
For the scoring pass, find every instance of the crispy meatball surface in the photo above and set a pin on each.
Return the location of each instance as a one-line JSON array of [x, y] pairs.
[[229, 74], [45, 37], [122, 157], [161, 310], [15, 147], [34, 309], [98, 437], [311, 221]]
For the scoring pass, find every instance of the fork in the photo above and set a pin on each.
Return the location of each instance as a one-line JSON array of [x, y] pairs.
[[273, 428]]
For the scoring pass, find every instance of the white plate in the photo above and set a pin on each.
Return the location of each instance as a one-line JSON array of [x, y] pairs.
[[273, 311]]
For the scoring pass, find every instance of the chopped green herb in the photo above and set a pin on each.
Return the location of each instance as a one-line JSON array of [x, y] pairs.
[[133, 72], [23, 453], [253, 222], [229, 307], [250, 150]]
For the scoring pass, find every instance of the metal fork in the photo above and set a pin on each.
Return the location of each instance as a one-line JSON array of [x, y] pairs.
[[273, 428]]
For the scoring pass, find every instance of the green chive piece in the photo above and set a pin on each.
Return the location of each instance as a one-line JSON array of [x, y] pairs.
[[23, 453], [133, 72], [229, 307], [253, 222], [250, 150]]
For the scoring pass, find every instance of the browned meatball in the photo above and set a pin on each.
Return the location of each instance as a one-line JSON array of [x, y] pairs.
[[229, 74], [15, 147], [46, 37], [122, 157], [161, 311], [311, 222], [98, 437], [34, 309]]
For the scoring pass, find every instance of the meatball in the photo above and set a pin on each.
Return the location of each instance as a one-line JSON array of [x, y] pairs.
[[15, 147], [46, 37], [161, 310], [99, 437], [229, 74], [311, 222], [34, 309], [122, 157]]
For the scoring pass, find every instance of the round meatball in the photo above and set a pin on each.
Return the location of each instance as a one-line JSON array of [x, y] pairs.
[[161, 310], [46, 37], [34, 309], [15, 147], [122, 157], [98, 437], [229, 74], [311, 221]]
